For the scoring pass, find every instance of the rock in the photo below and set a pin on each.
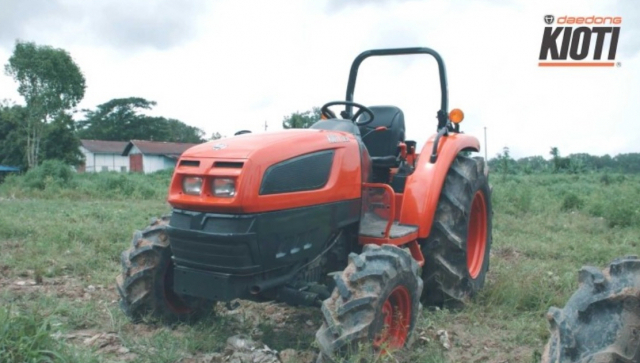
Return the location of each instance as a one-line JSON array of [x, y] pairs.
[[240, 342], [443, 336], [288, 356]]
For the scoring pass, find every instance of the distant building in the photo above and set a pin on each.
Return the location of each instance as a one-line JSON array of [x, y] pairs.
[[150, 156], [5, 170], [103, 156]]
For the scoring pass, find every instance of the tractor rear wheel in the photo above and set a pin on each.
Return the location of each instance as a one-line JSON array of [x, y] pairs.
[[146, 283], [375, 304], [601, 321], [458, 247]]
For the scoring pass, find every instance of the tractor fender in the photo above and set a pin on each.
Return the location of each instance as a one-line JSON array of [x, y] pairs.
[[424, 185]]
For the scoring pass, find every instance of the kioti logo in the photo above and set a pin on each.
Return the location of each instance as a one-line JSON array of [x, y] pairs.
[[569, 44]]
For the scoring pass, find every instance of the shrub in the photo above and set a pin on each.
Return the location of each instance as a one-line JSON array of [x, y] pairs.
[[50, 172], [571, 202]]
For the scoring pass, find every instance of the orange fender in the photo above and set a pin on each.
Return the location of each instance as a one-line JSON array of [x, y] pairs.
[[423, 187]]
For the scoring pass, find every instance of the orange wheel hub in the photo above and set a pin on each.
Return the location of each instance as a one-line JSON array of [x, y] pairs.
[[397, 319]]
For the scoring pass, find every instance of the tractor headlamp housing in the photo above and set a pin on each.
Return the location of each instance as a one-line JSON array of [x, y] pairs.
[[223, 187], [192, 185]]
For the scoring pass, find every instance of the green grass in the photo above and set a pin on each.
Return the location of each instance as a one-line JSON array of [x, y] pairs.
[[68, 235]]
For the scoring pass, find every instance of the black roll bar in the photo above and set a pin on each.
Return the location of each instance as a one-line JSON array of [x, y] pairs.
[[442, 115]]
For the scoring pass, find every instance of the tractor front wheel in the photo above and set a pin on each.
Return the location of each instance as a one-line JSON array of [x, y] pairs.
[[601, 321], [146, 283], [458, 247], [375, 304]]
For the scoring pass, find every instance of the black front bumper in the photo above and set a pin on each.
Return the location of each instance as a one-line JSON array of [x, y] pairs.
[[222, 256]]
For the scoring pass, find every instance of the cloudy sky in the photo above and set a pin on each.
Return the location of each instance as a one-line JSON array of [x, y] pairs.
[[226, 65]]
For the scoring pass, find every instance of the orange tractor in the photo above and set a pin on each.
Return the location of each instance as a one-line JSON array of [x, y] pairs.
[[346, 215]]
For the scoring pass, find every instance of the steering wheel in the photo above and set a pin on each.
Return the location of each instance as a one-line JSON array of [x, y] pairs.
[[361, 109]]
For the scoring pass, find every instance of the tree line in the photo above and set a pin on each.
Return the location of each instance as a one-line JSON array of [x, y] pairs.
[[575, 163], [52, 85]]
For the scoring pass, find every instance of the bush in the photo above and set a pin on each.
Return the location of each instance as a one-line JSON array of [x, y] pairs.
[[50, 172], [572, 202]]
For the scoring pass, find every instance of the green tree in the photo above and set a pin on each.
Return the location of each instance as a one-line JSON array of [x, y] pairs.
[[61, 142], [215, 136], [12, 135], [505, 163], [559, 163], [301, 120], [50, 82], [121, 119]]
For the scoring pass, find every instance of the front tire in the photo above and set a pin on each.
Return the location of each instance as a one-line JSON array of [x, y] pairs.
[[146, 282], [459, 244], [376, 303], [601, 321]]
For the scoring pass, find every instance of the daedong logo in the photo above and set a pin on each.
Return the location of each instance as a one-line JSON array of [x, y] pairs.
[[569, 43]]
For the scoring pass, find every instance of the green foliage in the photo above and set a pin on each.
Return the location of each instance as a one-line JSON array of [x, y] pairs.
[[60, 141], [13, 135], [50, 82], [579, 163], [49, 173], [27, 337], [76, 232], [120, 120], [572, 202], [301, 120], [54, 179]]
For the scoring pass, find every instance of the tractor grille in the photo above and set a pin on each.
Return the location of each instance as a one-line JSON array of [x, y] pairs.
[[213, 242]]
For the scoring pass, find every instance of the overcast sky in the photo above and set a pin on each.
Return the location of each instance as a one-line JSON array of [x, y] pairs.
[[227, 65]]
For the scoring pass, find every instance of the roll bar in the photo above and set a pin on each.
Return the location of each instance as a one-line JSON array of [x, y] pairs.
[[444, 101]]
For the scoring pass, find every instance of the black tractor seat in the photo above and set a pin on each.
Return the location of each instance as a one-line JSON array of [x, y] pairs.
[[383, 145]]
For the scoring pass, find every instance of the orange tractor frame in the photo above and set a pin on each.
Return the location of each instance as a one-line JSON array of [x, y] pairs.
[[345, 215]]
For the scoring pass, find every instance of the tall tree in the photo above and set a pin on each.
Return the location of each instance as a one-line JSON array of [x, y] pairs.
[[61, 142], [121, 119], [50, 82], [301, 120], [12, 135]]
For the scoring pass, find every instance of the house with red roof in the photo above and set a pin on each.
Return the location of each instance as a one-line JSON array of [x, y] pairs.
[[135, 155], [149, 156], [100, 155]]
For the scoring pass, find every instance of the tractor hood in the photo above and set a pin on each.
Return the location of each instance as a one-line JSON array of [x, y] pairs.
[[243, 146], [270, 171]]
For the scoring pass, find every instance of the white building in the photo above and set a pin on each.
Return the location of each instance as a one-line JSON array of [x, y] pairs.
[[103, 156], [150, 156]]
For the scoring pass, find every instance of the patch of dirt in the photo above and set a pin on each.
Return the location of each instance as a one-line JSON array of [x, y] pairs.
[[63, 286], [460, 344], [104, 343], [507, 253]]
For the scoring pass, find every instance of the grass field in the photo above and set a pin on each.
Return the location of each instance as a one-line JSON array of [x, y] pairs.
[[61, 237]]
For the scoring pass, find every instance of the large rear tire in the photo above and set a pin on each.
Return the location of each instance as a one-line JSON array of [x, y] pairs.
[[601, 321], [375, 304], [459, 244], [146, 283]]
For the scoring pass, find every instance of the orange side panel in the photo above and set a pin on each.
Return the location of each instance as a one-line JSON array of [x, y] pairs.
[[398, 197], [423, 187]]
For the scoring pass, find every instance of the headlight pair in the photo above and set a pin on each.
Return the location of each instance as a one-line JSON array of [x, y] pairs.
[[220, 187]]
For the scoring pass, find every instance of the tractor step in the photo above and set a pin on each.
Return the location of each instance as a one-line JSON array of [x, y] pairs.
[[373, 225]]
